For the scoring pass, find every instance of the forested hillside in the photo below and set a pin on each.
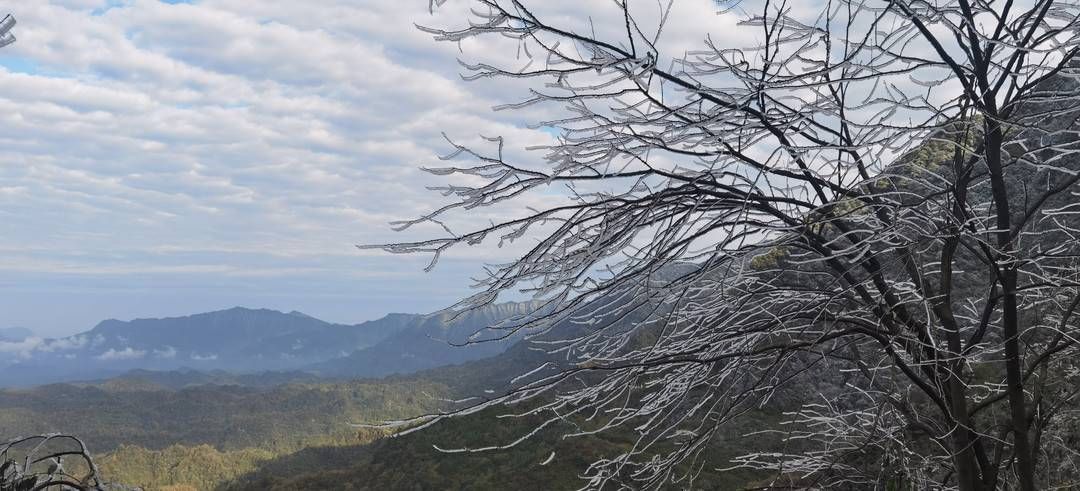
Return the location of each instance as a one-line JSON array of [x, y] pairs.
[[283, 431], [142, 429], [225, 416], [205, 427], [545, 461]]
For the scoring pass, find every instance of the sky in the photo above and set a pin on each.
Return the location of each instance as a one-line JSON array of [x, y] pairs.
[[169, 157], [163, 158]]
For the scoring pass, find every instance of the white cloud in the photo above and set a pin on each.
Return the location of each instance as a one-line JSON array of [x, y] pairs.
[[166, 354], [70, 343], [19, 350], [125, 354], [26, 348], [242, 129], [209, 357]]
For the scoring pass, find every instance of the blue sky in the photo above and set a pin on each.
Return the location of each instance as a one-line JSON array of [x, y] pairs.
[[165, 158]]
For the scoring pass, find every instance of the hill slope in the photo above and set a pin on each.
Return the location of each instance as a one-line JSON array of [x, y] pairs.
[[432, 341]]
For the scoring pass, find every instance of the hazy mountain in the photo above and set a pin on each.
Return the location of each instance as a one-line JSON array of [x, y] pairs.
[[189, 377], [430, 341], [15, 334], [237, 339], [213, 347]]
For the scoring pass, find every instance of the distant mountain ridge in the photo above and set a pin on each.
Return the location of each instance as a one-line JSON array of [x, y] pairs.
[[15, 334], [182, 378], [435, 340], [252, 341], [232, 335]]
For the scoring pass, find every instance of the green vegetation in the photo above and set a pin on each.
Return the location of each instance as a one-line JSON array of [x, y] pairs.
[[934, 155], [769, 259], [931, 155], [279, 419], [412, 461], [201, 436], [197, 467], [296, 437]]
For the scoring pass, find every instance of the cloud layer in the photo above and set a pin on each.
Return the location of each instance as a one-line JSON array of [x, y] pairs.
[[227, 150]]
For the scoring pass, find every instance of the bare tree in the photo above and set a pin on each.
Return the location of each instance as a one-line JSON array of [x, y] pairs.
[[49, 462], [6, 24], [879, 199]]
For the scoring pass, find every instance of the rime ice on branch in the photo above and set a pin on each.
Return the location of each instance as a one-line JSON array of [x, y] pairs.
[[877, 200], [50, 462]]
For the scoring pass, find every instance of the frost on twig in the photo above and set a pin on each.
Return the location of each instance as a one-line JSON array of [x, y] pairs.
[[869, 204], [50, 462]]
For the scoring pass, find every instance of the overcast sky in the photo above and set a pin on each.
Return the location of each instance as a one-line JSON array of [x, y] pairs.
[[164, 158]]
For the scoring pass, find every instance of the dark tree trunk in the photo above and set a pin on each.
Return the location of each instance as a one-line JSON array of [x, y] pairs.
[[1025, 471]]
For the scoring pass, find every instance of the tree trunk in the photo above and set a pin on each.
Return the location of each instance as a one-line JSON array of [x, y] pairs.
[[1025, 471]]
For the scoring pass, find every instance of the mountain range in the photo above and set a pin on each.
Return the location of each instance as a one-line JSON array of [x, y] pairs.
[[428, 342], [249, 341], [15, 334]]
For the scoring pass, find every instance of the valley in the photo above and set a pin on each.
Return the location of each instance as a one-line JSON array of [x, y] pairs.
[[216, 429]]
